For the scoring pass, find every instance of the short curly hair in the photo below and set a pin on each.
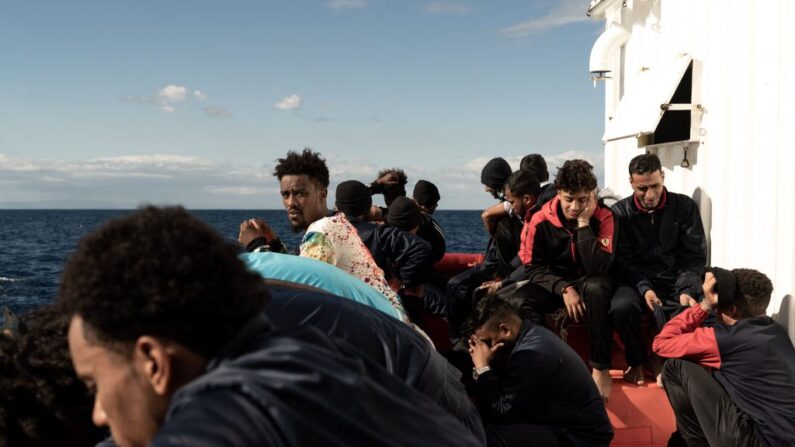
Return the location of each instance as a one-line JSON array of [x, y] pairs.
[[42, 402], [306, 163], [524, 182], [161, 272], [645, 164], [756, 288], [402, 178], [537, 165], [575, 176]]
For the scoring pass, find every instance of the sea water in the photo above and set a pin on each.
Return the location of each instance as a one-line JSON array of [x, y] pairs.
[[34, 244]]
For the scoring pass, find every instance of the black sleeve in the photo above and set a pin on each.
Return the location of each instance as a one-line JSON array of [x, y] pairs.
[[220, 419], [508, 238], [692, 254], [596, 249], [539, 270], [410, 253], [433, 234], [525, 378]]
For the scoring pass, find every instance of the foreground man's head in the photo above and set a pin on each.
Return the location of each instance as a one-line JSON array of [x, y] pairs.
[[151, 296]]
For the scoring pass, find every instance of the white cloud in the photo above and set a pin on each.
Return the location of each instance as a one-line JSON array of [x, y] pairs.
[[292, 102], [446, 8], [173, 93], [563, 13], [168, 97], [128, 180], [346, 4]]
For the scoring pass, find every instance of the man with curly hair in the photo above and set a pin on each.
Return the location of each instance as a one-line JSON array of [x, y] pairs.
[[303, 184], [749, 397], [42, 402], [167, 328], [566, 250]]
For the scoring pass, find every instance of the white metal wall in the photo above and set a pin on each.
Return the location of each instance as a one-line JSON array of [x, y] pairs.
[[743, 172]]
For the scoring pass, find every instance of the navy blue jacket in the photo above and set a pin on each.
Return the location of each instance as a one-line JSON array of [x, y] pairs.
[[758, 372], [399, 253], [386, 341], [545, 383], [301, 388], [663, 249], [430, 231]]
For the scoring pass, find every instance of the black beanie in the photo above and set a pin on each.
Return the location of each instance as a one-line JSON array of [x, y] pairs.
[[537, 165], [404, 214], [426, 193], [496, 172], [353, 198]]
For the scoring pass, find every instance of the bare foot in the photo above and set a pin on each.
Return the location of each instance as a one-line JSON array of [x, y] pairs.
[[655, 364], [603, 381], [634, 375]]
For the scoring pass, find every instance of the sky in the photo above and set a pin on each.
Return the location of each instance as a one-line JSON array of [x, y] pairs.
[[113, 104]]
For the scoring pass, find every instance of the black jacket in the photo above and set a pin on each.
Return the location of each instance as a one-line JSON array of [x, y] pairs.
[[301, 388], [555, 253], [399, 253], [386, 341], [432, 233], [546, 383], [664, 249], [509, 256]]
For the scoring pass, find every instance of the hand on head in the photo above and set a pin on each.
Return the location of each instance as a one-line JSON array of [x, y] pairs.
[[480, 352], [589, 210], [710, 295]]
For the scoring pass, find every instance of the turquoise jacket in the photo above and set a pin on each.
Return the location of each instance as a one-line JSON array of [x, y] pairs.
[[310, 272]]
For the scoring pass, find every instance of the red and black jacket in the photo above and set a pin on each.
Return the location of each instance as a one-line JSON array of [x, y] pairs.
[[753, 360], [555, 251]]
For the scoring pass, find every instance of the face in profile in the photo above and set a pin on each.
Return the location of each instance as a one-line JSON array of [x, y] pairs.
[[648, 188], [572, 203], [123, 398], [303, 199]]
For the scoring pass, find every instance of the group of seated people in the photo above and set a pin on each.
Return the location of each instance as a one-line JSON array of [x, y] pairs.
[[179, 338]]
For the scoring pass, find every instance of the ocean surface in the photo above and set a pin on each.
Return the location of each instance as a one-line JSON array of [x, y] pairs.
[[34, 244]]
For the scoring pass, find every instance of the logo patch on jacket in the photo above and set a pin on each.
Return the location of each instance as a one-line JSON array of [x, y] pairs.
[[605, 241]]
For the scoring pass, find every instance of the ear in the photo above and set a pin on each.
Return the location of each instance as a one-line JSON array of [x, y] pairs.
[[662, 174], [323, 194], [153, 361], [505, 329]]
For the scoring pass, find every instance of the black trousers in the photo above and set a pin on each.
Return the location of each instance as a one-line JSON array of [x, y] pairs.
[[626, 310], [523, 435], [596, 292], [705, 414], [459, 297]]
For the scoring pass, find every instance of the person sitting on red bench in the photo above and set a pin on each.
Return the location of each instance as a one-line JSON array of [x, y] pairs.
[[749, 399], [567, 249], [660, 256]]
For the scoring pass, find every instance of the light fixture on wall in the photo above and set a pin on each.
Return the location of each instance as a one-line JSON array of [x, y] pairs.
[[601, 62]]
